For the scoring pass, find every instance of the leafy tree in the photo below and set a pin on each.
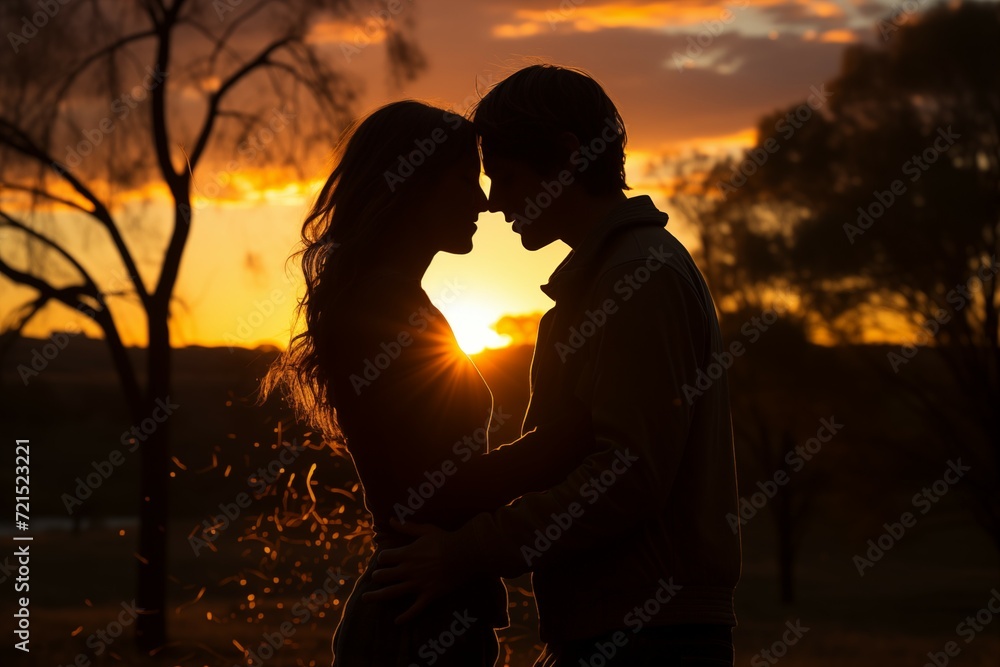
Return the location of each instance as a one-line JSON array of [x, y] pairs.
[[882, 210]]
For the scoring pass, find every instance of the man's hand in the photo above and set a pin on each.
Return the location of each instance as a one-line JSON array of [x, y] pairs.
[[427, 567]]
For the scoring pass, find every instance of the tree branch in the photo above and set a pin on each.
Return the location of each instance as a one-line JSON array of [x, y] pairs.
[[88, 281], [64, 295], [216, 98], [223, 39], [19, 321], [14, 137], [86, 62], [70, 296], [158, 104], [155, 10], [47, 195]]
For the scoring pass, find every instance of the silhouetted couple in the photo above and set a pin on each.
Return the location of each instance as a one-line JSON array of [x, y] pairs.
[[616, 495]]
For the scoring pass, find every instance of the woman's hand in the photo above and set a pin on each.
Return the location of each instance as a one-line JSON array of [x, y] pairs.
[[429, 567]]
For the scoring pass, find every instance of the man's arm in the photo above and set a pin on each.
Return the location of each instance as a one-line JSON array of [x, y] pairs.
[[638, 362], [537, 460]]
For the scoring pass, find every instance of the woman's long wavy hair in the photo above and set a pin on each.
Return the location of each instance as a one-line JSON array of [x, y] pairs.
[[382, 164]]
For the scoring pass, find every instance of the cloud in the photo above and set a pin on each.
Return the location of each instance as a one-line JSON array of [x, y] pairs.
[[339, 31], [759, 61], [527, 19], [873, 9], [803, 12], [593, 17], [733, 81], [839, 36], [520, 329]]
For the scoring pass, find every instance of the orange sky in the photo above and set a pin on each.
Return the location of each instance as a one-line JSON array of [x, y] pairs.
[[234, 288]]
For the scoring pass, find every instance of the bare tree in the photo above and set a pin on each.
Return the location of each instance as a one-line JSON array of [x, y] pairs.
[[144, 95]]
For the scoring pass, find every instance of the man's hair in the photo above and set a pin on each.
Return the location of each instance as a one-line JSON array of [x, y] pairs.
[[523, 116]]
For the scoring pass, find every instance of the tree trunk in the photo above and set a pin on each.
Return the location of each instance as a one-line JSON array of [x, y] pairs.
[[785, 525], [786, 562], [151, 627]]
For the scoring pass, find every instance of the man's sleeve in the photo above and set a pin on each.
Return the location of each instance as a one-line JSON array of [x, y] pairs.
[[537, 460], [637, 364]]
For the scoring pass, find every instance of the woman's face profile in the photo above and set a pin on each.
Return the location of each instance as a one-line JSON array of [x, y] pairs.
[[452, 204]]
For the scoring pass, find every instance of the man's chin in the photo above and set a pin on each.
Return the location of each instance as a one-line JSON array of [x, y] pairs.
[[532, 243]]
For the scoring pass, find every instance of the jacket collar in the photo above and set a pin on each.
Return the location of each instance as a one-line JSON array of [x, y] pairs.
[[634, 211]]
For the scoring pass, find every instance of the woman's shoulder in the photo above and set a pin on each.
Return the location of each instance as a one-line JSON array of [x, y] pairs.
[[382, 294], [378, 304], [384, 286]]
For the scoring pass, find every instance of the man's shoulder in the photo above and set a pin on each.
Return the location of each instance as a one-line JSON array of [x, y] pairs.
[[647, 250]]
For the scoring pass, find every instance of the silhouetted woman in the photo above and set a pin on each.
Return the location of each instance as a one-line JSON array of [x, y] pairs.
[[378, 365]]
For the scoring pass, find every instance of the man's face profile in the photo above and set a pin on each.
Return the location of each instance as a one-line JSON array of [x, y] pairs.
[[516, 190]]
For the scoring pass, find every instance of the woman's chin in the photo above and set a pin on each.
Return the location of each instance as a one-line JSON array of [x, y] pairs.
[[463, 247]]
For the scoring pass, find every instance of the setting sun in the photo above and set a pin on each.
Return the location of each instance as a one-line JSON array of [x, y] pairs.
[[473, 329]]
